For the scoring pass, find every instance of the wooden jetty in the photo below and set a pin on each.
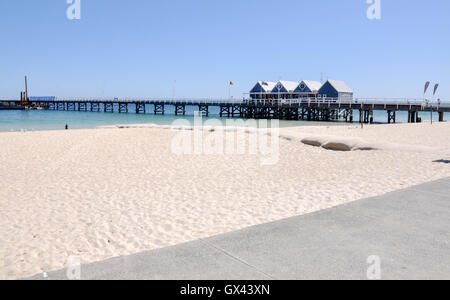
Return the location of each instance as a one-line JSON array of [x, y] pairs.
[[326, 109], [12, 107]]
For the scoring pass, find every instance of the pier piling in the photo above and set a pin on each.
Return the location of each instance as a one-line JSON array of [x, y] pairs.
[[204, 110], [159, 109], [180, 109], [140, 108], [392, 116]]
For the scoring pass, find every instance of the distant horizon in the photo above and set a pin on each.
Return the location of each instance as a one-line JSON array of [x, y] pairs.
[[176, 49]]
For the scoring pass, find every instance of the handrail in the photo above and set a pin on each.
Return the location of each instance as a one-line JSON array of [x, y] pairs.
[[282, 102]]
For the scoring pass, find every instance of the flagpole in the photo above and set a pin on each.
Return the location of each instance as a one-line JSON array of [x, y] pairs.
[[436, 86], [431, 109], [427, 84], [230, 83], [431, 113]]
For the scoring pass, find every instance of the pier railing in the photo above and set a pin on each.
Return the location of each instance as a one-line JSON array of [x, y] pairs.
[[325, 109], [272, 102]]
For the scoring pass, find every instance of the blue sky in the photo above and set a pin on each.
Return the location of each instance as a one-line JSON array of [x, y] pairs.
[[145, 48]]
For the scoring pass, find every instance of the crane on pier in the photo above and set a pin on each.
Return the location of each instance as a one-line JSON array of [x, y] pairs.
[[24, 99]]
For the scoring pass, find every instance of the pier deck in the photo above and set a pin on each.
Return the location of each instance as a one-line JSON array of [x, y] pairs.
[[295, 109]]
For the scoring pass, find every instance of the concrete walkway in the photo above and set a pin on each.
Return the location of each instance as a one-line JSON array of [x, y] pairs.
[[408, 230]]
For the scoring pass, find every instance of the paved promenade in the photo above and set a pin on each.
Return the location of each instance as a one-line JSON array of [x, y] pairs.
[[408, 230]]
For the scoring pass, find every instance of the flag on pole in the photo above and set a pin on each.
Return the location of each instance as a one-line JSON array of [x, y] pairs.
[[427, 85], [435, 88]]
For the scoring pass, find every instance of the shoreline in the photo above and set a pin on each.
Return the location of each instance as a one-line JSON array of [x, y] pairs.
[[102, 193], [44, 120]]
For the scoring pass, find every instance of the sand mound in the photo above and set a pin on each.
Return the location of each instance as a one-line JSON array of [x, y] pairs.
[[337, 144], [356, 144], [312, 142]]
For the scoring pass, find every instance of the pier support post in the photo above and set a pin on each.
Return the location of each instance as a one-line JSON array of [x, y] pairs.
[[304, 113], [441, 116], [328, 114], [286, 114], [271, 113], [314, 114], [392, 116], [224, 111], [180, 109], [244, 112], [335, 114], [108, 107], [123, 107], [309, 114], [348, 115], [95, 106], [277, 114], [366, 116], [291, 113], [204, 110], [82, 106], [160, 109], [413, 117], [140, 108], [235, 110], [296, 114]]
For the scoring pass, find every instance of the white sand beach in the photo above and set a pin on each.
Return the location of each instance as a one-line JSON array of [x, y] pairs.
[[102, 193]]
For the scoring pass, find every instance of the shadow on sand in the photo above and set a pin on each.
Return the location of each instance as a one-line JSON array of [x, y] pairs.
[[443, 161]]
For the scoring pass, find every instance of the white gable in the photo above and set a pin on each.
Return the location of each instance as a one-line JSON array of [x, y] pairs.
[[268, 86], [340, 86], [263, 87], [289, 86], [314, 86]]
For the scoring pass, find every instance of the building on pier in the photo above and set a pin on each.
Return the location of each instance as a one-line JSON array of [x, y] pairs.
[[285, 89], [262, 90], [307, 89], [336, 89]]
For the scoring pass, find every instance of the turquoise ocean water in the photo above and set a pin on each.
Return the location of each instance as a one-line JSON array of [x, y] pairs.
[[56, 120]]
